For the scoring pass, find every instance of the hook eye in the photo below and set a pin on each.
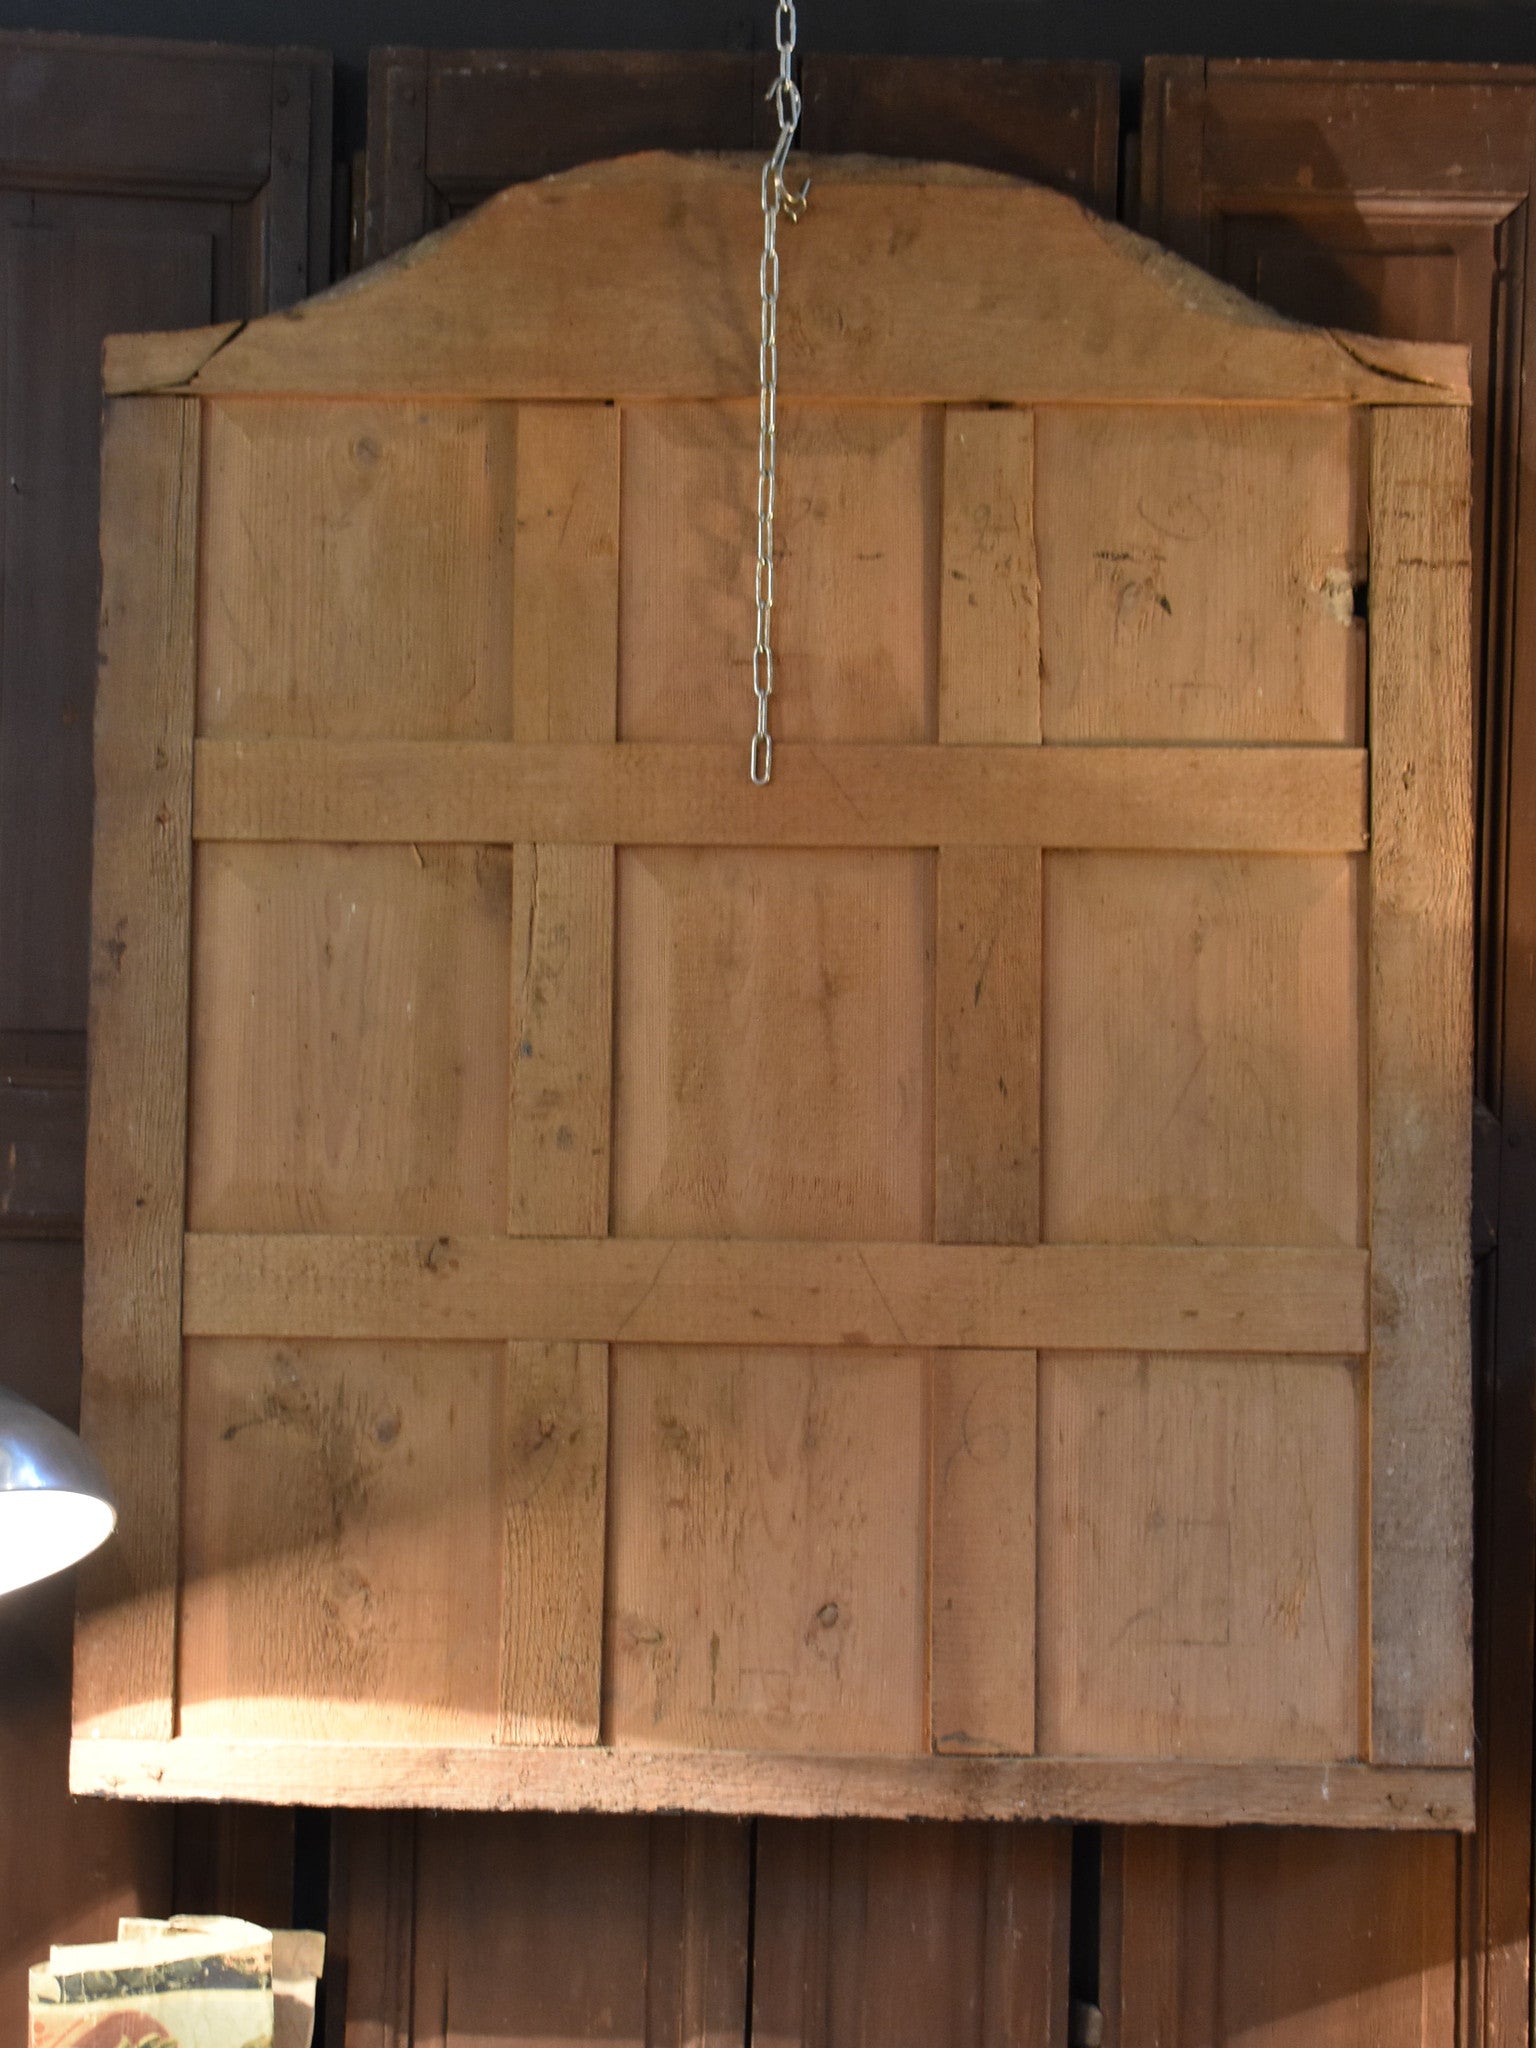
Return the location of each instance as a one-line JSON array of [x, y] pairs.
[[794, 203]]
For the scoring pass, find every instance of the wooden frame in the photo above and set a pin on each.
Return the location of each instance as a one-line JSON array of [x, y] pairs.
[[435, 325]]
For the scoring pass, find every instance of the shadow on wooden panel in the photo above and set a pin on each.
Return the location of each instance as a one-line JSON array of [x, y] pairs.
[[909, 1934], [531, 1929], [1279, 1939]]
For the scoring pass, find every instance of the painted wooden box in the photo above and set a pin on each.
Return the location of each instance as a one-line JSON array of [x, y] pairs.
[[938, 1286]]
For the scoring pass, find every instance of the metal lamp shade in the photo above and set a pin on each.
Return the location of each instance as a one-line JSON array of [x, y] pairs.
[[54, 1504]]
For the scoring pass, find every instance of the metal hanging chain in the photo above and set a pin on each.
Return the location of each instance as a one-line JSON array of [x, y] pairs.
[[777, 199]]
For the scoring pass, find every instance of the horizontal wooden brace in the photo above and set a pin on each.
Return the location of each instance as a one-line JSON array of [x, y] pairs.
[[491, 792], [1127, 1792], [700, 1291]]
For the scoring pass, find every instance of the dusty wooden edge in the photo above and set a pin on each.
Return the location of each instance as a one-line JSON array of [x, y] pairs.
[[1126, 1792], [125, 1636], [1420, 1050], [489, 792], [1228, 1299], [536, 295]]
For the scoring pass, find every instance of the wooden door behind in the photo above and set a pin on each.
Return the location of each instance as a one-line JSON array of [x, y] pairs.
[[143, 184], [1394, 200], [445, 129]]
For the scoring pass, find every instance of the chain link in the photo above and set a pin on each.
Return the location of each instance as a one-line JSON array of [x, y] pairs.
[[777, 198]]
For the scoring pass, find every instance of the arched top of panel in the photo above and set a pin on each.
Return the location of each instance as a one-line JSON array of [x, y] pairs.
[[638, 279]]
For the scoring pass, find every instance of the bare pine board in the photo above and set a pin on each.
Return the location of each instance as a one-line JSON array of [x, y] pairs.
[[564, 687], [605, 1780], [987, 1046], [341, 1536], [722, 1291], [680, 793], [1199, 1557], [766, 1546], [772, 1068], [135, 1191], [518, 301], [1420, 1083], [1198, 569], [561, 1093], [306, 507], [986, 1168], [1202, 1050], [982, 1574], [989, 631], [349, 1037], [857, 486], [554, 1459]]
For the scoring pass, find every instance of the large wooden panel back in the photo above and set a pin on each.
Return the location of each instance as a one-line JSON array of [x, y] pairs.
[[932, 1287]]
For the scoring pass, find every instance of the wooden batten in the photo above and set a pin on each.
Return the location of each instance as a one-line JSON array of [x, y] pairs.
[[580, 286], [659, 793], [706, 1291], [135, 1197], [1130, 1794]]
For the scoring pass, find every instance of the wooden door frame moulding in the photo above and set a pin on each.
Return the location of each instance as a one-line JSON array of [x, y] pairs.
[[292, 176]]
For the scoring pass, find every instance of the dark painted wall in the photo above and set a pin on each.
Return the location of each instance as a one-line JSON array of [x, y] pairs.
[[1127, 30]]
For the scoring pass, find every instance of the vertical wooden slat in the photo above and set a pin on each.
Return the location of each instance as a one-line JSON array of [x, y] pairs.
[[135, 1198], [908, 1933], [986, 1100], [987, 1025], [1173, 153], [286, 224], [565, 555], [989, 659], [1420, 1089], [982, 1641], [698, 1931], [370, 1949], [559, 1121], [556, 1466], [564, 687], [395, 196]]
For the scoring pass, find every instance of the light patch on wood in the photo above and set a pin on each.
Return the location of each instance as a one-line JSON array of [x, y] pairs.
[[555, 1471], [342, 1541]]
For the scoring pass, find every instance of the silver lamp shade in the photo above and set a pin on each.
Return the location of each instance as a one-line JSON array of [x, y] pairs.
[[54, 1504]]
